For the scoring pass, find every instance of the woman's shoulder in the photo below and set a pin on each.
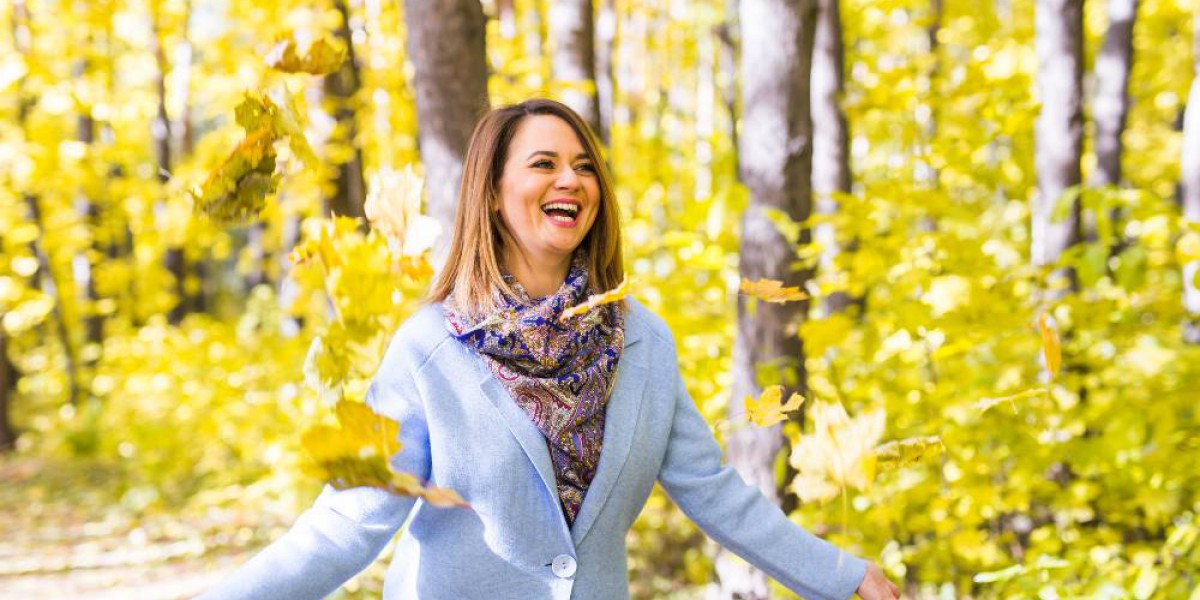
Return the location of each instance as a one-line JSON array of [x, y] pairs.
[[418, 337], [648, 323]]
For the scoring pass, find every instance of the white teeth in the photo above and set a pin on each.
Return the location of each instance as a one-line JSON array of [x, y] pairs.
[[562, 219], [563, 206]]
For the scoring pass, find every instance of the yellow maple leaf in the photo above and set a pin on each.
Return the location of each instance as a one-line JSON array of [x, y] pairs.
[[898, 453], [838, 453], [1051, 346], [236, 191], [613, 295], [771, 290], [322, 57], [373, 431], [767, 410], [393, 207]]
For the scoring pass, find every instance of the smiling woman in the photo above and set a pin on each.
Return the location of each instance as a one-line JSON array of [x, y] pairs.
[[527, 168], [553, 426]]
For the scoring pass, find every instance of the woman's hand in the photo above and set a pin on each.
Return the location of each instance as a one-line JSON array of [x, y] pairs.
[[875, 586]]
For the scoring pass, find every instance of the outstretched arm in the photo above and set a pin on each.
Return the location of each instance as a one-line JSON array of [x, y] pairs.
[[343, 532], [742, 520]]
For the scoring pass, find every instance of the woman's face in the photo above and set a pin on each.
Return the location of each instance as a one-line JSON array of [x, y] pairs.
[[549, 190]]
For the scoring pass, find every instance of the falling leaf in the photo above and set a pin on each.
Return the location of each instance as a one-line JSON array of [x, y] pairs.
[[838, 453], [393, 207], [322, 57], [377, 431], [236, 191], [771, 290], [987, 404], [356, 454], [613, 295], [899, 453], [1051, 347], [767, 410], [443, 497]]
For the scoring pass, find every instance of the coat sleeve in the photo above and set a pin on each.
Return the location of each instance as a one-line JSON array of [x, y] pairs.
[[741, 519], [344, 530]]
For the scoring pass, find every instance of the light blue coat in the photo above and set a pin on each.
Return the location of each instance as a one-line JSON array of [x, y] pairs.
[[460, 429]]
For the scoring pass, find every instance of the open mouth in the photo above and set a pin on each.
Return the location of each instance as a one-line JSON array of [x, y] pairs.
[[561, 212]]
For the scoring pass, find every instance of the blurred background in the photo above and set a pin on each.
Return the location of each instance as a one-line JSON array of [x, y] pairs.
[[213, 214]]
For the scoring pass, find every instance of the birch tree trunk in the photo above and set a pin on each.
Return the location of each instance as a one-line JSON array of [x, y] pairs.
[[1111, 105], [606, 34], [446, 46], [776, 163], [1059, 128], [831, 153], [1190, 193], [1112, 99], [573, 60]]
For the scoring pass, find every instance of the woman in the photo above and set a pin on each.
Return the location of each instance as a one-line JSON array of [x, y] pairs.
[[554, 430]]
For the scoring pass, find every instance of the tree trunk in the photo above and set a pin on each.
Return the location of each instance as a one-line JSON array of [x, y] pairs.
[[8, 388], [1112, 98], [1111, 106], [1189, 190], [161, 130], [831, 140], [776, 151], [88, 207], [446, 46], [22, 40], [1059, 128], [573, 61], [49, 286], [341, 88], [606, 37]]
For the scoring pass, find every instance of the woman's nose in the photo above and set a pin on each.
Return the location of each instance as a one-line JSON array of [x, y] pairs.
[[567, 179]]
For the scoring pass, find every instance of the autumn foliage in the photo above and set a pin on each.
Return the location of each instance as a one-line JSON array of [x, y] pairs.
[[974, 432]]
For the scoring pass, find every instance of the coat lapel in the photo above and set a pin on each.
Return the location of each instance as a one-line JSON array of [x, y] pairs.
[[523, 429], [620, 421]]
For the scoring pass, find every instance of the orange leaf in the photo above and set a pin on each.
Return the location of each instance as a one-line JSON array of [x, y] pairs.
[[1051, 346], [771, 290], [613, 295], [443, 497]]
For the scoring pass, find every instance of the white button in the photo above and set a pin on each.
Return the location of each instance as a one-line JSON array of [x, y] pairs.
[[563, 566]]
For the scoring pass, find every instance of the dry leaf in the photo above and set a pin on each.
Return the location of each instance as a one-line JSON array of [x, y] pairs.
[[322, 57], [899, 453], [771, 290], [767, 410], [613, 295], [1051, 346]]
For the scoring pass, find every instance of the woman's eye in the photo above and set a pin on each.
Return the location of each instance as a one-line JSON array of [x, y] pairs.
[[589, 167], [543, 164]]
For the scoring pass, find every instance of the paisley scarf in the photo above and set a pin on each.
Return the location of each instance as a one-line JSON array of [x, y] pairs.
[[560, 374]]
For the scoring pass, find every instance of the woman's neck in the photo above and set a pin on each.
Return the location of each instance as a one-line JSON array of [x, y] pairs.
[[540, 276]]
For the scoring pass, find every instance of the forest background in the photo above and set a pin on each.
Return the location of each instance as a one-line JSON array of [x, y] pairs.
[[985, 216]]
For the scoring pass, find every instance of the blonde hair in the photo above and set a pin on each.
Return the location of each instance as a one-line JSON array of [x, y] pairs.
[[471, 276]]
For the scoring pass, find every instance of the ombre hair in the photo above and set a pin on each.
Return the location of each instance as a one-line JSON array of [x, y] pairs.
[[472, 276]]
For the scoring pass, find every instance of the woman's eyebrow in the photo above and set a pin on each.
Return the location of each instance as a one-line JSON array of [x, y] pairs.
[[553, 154]]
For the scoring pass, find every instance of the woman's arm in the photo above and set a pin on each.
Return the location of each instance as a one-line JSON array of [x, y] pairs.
[[343, 532], [741, 519]]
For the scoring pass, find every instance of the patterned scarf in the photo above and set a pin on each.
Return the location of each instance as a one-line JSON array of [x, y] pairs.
[[560, 374]]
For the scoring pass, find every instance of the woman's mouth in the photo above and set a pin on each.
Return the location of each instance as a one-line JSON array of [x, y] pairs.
[[562, 214]]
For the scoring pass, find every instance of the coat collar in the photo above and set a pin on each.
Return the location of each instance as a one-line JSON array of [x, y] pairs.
[[621, 416]]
